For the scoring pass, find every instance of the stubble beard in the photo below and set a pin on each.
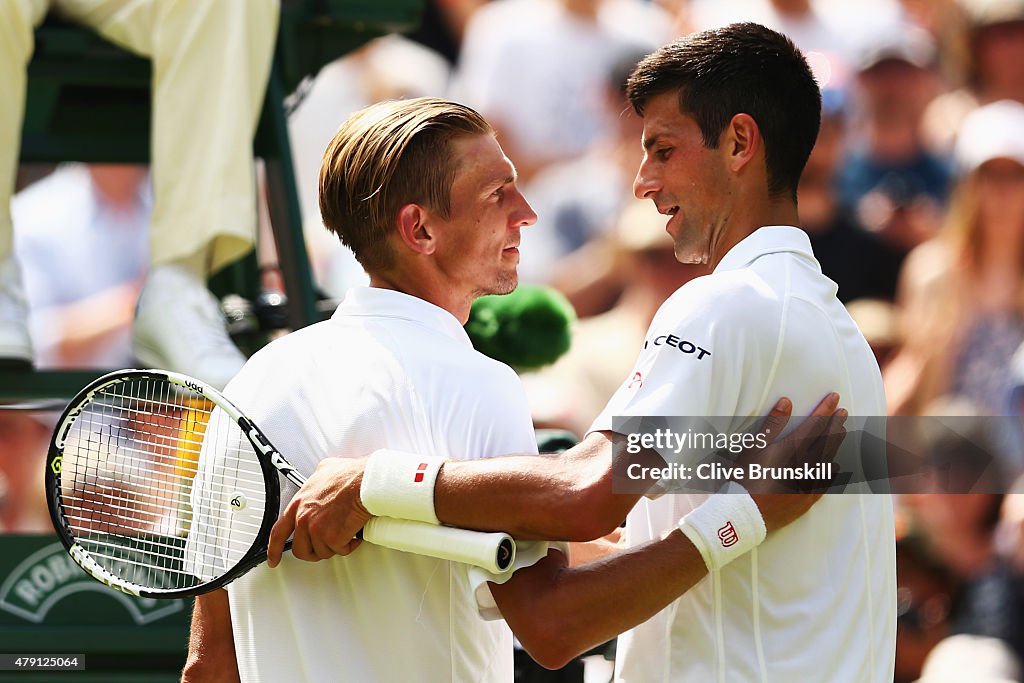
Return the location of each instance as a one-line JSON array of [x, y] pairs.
[[504, 283], [507, 282]]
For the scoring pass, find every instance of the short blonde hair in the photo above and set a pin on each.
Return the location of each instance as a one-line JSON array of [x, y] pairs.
[[386, 156]]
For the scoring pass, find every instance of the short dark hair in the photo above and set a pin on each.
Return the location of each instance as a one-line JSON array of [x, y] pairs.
[[740, 69]]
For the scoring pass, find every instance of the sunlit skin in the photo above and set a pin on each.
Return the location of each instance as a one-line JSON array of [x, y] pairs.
[[1001, 196], [1000, 240], [714, 197], [998, 54], [475, 250]]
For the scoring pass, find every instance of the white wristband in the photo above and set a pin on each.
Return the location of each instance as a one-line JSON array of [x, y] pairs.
[[400, 485], [725, 526]]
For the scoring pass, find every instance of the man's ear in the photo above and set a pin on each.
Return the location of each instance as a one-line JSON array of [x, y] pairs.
[[742, 141], [414, 231]]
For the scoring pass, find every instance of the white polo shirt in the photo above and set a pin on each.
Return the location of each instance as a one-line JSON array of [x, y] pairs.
[[387, 371], [816, 602]]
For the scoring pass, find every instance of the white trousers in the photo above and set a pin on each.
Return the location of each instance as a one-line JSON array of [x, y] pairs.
[[211, 60]]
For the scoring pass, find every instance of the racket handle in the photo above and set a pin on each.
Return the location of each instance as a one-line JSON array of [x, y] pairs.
[[493, 551]]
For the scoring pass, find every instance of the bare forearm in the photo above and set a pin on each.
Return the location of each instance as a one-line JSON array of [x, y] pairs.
[[563, 497], [596, 602], [598, 549], [211, 647], [569, 610]]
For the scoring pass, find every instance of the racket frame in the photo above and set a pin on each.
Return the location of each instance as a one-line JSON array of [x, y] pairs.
[[270, 459]]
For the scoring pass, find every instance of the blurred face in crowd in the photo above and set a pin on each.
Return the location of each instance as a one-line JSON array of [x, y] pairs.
[[477, 245], [1001, 196], [686, 180], [999, 60], [897, 91]]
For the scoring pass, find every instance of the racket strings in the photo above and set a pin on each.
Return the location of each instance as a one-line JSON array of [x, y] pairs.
[[162, 490]]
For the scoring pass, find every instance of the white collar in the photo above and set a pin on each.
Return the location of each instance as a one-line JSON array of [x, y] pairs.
[[387, 303], [766, 240]]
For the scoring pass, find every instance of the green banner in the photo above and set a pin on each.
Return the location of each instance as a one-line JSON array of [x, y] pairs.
[[48, 605]]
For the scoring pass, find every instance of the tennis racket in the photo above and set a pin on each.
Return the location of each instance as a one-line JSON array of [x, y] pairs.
[[160, 487]]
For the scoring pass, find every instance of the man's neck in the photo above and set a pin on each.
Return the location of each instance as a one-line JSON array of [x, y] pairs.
[[424, 288], [753, 215]]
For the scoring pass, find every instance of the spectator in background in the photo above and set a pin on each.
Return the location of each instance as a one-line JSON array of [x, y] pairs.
[[958, 520], [604, 347], [211, 60], [578, 200], [82, 243], [995, 67], [443, 24], [925, 593], [537, 70], [23, 440], [817, 29], [893, 182], [1010, 534], [962, 293], [80, 315], [946, 23], [860, 262], [807, 24], [973, 659]]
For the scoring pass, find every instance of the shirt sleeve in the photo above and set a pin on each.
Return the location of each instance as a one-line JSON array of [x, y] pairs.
[[528, 553]]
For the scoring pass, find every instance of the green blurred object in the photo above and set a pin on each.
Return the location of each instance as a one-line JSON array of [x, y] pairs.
[[527, 329]]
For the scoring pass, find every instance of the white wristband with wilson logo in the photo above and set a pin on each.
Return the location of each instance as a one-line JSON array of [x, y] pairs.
[[400, 485], [725, 526]]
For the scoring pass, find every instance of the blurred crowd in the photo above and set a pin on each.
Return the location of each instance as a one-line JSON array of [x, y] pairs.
[[913, 199]]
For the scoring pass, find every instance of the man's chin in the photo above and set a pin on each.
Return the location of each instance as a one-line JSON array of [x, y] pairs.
[[504, 285], [507, 285], [692, 256]]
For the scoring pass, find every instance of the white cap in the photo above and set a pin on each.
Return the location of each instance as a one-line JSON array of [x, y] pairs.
[[990, 12], [995, 131], [977, 659], [902, 42]]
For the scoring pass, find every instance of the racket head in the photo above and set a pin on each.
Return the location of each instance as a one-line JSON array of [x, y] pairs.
[[155, 487]]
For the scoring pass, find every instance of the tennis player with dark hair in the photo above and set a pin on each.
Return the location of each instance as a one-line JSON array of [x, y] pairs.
[[424, 195], [730, 117]]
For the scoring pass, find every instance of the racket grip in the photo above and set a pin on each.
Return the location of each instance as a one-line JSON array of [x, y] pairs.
[[493, 551]]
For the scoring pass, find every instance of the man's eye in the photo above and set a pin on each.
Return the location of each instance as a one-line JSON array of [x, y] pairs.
[[499, 193], [663, 153]]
